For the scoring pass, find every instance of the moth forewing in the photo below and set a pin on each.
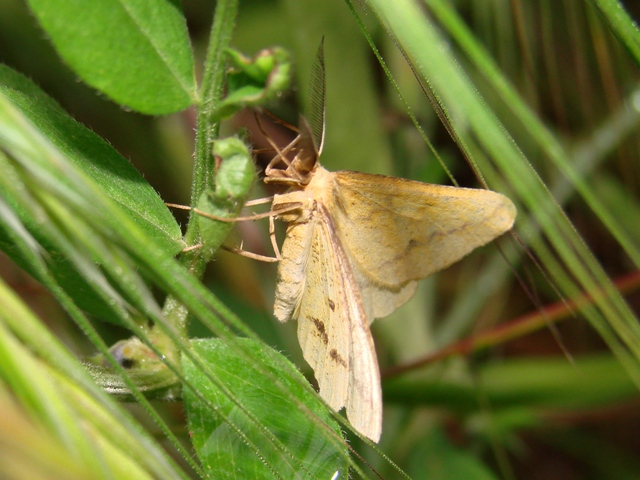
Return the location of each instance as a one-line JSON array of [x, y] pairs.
[[417, 228], [292, 271], [323, 326], [364, 396], [317, 286], [364, 399], [380, 300]]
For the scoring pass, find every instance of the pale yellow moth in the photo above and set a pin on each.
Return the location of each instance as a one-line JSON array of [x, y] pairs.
[[355, 247]]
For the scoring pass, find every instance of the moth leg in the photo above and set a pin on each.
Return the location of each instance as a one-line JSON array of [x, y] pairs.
[[192, 247], [280, 154], [256, 216], [289, 175], [254, 256], [238, 251], [272, 229], [258, 201], [245, 218], [274, 240], [273, 117]]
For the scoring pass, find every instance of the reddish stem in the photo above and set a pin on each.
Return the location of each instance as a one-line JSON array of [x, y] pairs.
[[508, 331]]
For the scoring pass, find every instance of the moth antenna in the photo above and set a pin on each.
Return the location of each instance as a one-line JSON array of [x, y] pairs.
[[310, 140], [316, 101]]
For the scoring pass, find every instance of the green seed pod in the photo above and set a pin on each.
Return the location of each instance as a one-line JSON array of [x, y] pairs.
[[233, 183], [253, 82]]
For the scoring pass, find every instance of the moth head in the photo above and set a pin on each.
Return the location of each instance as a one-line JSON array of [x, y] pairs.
[[307, 146]]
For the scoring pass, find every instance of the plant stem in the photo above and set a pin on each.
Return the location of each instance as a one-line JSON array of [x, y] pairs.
[[206, 132], [210, 94], [517, 328]]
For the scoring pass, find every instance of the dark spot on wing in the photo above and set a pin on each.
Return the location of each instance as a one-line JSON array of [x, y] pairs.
[[321, 329], [336, 357], [332, 305]]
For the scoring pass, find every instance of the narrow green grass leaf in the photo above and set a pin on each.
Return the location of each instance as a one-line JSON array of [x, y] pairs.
[[78, 248], [138, 53], [36, 130], [552, 383], [231, 444], [34, 387], [28, 450], [57, 394], [621, 24]]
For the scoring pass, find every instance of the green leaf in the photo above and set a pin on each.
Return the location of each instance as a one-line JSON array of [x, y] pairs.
[[138, 53], [227, 438], [34, 128]]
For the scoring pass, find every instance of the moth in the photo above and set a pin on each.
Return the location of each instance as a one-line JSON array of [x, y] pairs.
[[355, 246]]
